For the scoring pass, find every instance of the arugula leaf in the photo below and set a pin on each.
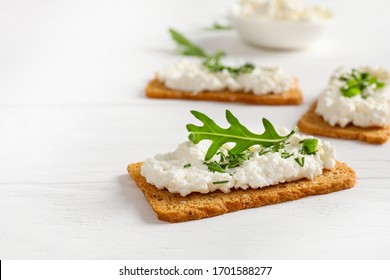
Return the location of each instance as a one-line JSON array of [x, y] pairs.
[[236, 133], [211, 61], [186, 47], [269, 140]]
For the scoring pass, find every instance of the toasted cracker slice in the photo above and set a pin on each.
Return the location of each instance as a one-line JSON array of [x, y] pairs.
[[175, 208], [311, 123], [157, 89]]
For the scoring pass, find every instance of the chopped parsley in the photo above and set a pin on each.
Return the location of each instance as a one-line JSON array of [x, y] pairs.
[[300, 161], [309, 146], [357, 82], [213, 64], [220, 182], [228, 161]]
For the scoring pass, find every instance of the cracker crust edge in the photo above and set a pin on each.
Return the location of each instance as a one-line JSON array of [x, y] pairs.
[[311, 123], [156, 89], [175, 208]]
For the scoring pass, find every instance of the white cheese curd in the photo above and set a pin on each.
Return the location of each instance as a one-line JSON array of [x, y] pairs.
[[168, 171], [374, 110], [193, 76], [282, 10], [263, 81]]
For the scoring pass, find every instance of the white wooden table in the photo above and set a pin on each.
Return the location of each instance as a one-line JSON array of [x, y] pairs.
[[73, 115]]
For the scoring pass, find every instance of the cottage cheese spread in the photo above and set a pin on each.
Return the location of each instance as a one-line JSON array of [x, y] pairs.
[[284, 10], [167, 170], [374, 110], [192, 76]]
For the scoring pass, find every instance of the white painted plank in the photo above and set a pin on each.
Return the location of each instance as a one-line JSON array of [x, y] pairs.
[[73, 115]]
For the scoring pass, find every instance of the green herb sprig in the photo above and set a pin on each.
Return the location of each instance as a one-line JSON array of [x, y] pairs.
[[357, 82], [211, 61], [309, 147], [214, 64], [185, 46], [219, 27], [278, 147], [214, 166]]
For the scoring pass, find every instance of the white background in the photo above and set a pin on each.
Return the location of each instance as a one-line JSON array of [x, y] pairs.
[[73, 115], [110, 269]]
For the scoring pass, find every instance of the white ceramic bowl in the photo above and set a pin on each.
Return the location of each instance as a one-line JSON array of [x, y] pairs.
[[269, 33]]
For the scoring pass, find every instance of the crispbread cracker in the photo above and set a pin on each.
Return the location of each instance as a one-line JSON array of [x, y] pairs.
[[174, 208], [156, 89], [311, 123]]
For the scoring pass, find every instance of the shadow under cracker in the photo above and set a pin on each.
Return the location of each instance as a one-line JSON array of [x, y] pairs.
[[134, 196]]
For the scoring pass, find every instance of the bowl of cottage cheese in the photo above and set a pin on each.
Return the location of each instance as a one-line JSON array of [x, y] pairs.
[[280, 24]]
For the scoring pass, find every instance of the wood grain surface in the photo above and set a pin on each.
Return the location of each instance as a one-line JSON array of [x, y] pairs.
[[73, 115]]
